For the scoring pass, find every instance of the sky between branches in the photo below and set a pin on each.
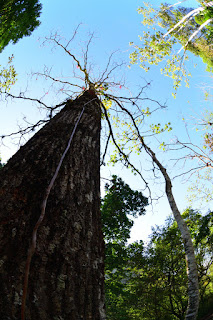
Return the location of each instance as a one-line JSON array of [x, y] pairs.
[[115, 24]]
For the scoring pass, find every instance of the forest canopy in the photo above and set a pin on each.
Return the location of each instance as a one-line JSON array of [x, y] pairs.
[[18, 18]]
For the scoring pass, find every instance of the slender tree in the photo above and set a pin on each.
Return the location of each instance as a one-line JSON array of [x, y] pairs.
[[134, 136]]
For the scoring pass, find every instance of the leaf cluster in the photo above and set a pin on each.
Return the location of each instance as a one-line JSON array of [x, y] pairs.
[[7, 76]]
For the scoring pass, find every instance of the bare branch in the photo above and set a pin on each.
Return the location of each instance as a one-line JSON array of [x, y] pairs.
[[74, 35], [125, 157], [105, 149]]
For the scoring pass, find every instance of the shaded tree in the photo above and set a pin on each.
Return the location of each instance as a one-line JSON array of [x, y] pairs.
[[118, 206], [150, 285], [160, 282], [18, 18]]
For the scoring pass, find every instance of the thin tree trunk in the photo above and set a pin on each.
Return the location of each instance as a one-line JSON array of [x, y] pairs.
[[67, 269], [191, 265], [193, 285]]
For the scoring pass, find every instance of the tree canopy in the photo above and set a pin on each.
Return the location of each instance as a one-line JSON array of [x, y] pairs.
[[18, 18], [119, 204], [188, 27], [149, 281]]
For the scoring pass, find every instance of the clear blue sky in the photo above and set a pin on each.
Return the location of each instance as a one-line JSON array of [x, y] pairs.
[[115, 24]]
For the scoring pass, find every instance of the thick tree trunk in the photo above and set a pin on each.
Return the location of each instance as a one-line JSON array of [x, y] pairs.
[[67, 270]]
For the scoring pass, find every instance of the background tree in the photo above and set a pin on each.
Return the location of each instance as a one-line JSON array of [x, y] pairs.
[[18, 18], [118, 206], [150, 281], [167, 271]]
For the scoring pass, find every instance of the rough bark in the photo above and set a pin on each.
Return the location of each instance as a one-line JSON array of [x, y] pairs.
[[67, 270]]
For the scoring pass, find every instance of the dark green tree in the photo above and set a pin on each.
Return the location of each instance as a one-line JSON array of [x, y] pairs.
[[118, 206], [18, 18], [150, 282]]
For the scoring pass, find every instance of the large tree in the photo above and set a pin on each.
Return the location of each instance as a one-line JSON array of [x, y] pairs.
[[129, 112], [18, 18], [51, 244]]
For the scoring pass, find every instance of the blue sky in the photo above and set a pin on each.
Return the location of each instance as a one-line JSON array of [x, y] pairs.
[[115, 24]]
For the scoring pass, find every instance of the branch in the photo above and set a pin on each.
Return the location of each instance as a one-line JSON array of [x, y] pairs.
[[195, 33], [125, 157], [193, 12], [106, 147]]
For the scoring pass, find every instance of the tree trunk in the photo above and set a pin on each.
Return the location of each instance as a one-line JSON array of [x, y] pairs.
[[66, 277], [191, 264]]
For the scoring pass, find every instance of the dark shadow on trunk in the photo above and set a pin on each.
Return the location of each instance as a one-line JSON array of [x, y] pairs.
[[67, 270]]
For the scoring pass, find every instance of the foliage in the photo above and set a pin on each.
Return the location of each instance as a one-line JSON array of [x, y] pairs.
[[18, 18], [166, 267], [7, 76], [150, 282], [156, 48], [118, 205], [120, 202], [209, 135]]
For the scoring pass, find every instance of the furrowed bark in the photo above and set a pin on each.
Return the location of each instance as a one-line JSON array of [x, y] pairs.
[[66, 277]]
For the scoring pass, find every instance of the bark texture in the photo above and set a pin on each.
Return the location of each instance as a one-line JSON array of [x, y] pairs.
[[67, 270]]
